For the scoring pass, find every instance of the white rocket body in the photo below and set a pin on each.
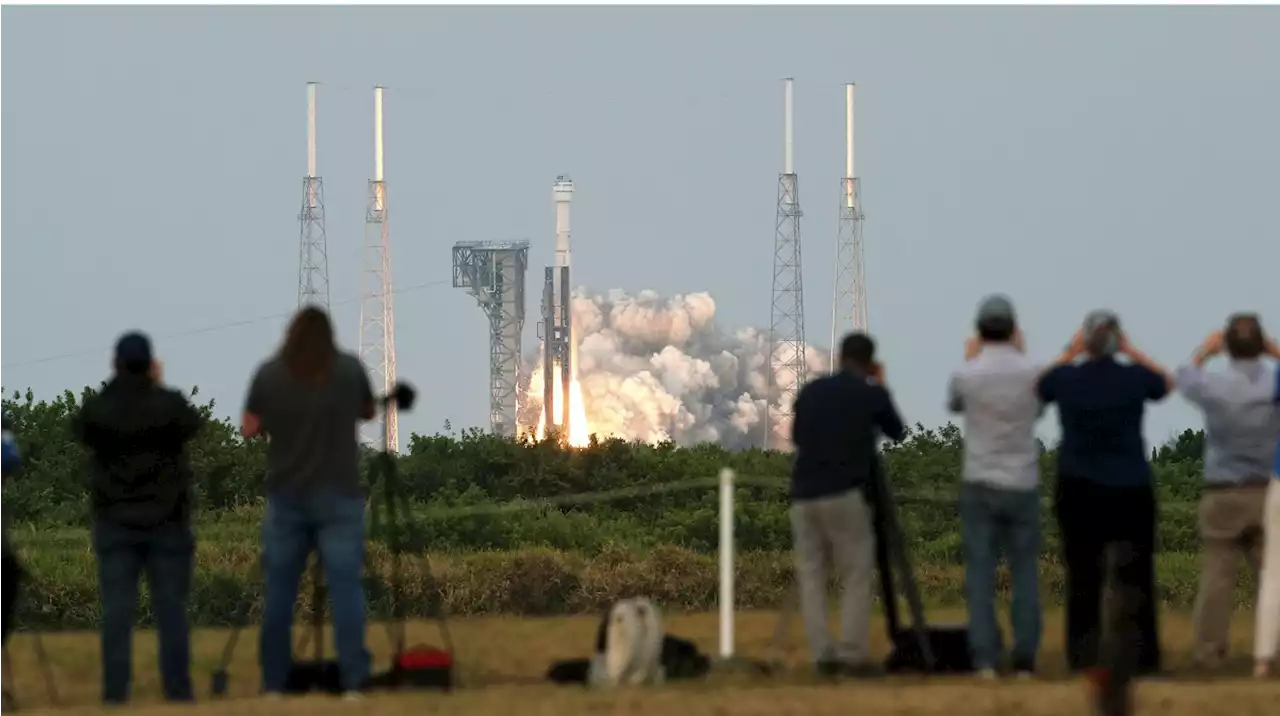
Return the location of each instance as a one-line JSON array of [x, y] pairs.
[[562, 194]]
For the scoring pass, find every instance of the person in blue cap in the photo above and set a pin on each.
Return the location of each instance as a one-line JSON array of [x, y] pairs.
[[137, 431]]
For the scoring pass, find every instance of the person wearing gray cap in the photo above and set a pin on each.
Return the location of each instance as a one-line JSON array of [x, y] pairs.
[[1104, 499], [995, 391], [1242, 426]]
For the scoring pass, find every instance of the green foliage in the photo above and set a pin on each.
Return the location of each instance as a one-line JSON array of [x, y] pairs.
[[476, 492]]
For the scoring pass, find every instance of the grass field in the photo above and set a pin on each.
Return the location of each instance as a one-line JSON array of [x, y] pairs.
[[501, 661]]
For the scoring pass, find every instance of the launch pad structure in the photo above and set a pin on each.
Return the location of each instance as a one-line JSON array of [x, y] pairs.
[[849, 300], [313, 242], [787, 362], [494, 273]]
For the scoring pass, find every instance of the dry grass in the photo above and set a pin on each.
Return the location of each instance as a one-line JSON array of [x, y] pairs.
[[502, 659]]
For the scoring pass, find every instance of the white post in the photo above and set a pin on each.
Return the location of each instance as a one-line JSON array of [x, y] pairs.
[[726, 563]]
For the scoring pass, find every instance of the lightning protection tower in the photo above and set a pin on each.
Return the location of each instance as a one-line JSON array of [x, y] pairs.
[[786, 327], [494, 273], [377, 319], [849, 303], [313, 257]]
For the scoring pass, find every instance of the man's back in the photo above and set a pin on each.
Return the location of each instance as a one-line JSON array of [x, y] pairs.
[[312, 429], [1242, 422], [996, 392], [137, 433], [1101, 404], [838, 422]]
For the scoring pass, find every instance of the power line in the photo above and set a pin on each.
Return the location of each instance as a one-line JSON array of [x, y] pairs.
[[211, 328]]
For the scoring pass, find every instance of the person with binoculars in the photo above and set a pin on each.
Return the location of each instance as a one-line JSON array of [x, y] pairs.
[[309, 400]]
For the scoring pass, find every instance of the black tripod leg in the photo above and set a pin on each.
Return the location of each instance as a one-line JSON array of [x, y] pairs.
[[46, 667], [897, 549]]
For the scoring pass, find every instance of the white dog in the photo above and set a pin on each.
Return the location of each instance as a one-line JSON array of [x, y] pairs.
[[632, 654]]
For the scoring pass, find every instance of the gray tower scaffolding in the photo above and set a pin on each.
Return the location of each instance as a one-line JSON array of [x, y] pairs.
[[787, 364], [494, 273]]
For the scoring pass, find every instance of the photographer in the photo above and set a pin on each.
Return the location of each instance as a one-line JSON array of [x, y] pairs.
[[308, 400], [1104, 494], [1241, 430], [995, 390], [137, 431], [12, 569], [838, 423]]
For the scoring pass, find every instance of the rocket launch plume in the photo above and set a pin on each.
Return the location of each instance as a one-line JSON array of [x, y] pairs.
[[655, 369]]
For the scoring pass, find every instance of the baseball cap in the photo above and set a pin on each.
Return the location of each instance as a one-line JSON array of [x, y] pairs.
[[133, 351], [996, 307]]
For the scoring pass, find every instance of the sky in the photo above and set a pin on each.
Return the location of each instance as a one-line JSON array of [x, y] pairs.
[[1071, 157]]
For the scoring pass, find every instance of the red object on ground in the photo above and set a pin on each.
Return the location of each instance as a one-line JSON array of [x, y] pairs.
[[424, 658]]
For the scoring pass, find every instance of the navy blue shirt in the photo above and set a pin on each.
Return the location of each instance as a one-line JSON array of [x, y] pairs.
[[838, 423], [1100, 405]]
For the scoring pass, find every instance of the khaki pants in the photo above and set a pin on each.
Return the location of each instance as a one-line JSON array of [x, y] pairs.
[[838, 527], [1231, 523]]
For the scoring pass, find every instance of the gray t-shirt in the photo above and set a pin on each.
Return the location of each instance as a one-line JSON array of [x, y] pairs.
[[312, 430]]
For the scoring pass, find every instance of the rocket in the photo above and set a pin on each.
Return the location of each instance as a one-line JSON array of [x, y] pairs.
[[559, 349]]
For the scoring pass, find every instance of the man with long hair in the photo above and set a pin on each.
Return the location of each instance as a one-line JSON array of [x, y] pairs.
[[137, 432], [1105, 496], [308, 400], [1242, 426]]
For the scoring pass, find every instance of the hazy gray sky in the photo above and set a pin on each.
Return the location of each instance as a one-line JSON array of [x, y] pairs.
[[1072, 157]]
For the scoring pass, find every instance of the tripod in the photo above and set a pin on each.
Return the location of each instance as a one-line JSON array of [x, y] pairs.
[[14, 576], [408, 665]]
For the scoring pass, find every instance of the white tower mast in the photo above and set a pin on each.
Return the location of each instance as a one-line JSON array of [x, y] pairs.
[[849, 300], [377, 319]]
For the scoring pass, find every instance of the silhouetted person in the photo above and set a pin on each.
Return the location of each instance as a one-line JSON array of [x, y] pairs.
[[137, 432], [839, 420], [309, 400], [1105, 494], [12, 569], [1242, 426]]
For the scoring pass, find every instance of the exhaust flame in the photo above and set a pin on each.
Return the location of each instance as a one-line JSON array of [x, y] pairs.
[[579, 431]]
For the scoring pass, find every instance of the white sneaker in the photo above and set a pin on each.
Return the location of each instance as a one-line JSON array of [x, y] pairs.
[[352, 696], [988, 674], [272, 695], [1025, 676]]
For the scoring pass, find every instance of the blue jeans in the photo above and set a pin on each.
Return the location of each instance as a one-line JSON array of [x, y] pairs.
[[334, 525], [167, 554], [993, 520]]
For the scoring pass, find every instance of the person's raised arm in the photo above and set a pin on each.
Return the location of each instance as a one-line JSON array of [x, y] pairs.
[[955, 396], [1159, 382], [254, 404], [887, 417], [1190, 377]]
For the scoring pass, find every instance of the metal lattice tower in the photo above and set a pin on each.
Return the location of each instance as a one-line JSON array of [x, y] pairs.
[[495, 274], [377, 319], [786, 327], [849, 302], [313, 250]]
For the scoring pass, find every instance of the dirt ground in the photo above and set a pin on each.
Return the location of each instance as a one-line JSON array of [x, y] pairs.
[[501, 661]]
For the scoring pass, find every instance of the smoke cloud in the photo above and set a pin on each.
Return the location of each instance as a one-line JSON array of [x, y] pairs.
[[655, 369]]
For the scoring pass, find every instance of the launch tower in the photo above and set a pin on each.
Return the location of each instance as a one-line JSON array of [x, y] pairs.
[[786, 327], [313, 258], [495, 274], [849, 302], [377, 319]]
